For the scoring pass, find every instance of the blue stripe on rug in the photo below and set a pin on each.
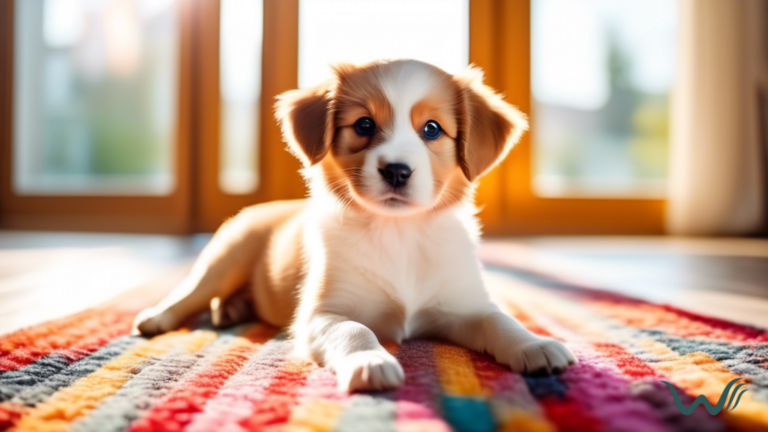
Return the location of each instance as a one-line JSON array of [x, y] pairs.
[[467, 414]]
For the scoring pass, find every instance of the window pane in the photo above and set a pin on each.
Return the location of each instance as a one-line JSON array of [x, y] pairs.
[[330, 31], [240, 77], [95, 96], [602, 71]]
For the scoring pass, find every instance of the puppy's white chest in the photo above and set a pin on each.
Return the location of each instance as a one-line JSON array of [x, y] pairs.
[[393, 273], [393, 290], [400, 264]]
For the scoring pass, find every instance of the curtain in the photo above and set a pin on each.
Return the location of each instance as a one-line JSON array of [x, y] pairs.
[[718, 177]]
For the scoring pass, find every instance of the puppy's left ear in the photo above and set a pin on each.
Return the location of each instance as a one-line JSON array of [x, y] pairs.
[[489, 126], [305, 119]]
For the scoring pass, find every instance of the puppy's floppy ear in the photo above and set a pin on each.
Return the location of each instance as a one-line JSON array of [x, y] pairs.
[[489, 126], [305, 118]]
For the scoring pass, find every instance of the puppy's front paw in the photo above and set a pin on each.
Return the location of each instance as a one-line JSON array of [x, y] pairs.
[[153, 321], [369, 370], [538, 354]]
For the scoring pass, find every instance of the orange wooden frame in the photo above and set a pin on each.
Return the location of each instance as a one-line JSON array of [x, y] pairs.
[[499, 44], [278, 169], [170, 213]]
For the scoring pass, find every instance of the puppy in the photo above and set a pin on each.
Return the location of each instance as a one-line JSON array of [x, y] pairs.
[[384, 248]]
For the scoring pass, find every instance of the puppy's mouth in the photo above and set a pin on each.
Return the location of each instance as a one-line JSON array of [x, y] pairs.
[[395, 200]]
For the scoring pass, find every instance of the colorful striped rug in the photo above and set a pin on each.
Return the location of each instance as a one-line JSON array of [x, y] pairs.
[[85, 373]]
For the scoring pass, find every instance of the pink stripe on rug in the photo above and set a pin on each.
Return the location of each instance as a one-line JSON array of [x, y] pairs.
[[608, 397], [417, 401], [237, 398], [175, 411]]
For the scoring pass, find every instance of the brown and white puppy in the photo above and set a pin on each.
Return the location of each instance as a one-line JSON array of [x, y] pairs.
[[384, 248]]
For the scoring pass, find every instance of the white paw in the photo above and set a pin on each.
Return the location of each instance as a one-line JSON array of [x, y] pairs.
[[152, 321], [369, 370], [539, 354]]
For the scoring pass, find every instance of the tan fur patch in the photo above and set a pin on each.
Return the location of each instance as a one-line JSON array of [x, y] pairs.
[[303, 116], [357, 94], [489, 126]]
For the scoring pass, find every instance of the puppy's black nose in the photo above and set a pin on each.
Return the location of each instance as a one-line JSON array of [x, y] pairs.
[[396, 174]]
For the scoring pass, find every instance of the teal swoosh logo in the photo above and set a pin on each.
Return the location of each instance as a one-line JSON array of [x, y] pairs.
[[702, 400]]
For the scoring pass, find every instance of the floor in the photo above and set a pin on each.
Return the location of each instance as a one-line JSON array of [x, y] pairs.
[[721, 277], [45, 276], [49, 275]]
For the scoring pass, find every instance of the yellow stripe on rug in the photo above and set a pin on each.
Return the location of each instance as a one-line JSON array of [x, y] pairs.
[[456, 372], [317, 415]]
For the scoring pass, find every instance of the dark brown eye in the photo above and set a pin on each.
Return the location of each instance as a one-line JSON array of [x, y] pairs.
[[432, 130], [365, 126]]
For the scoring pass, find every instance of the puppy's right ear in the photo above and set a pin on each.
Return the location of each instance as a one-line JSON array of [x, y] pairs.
[[305, 119]]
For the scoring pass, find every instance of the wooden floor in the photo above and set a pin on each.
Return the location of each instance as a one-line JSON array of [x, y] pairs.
[[49, 275], [721, 277]]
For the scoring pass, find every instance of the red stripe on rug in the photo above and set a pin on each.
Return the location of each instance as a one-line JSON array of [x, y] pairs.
[[280, 397], [10, 414], [569, 415], [753, 334], [627, 363], [73, 337], [491, 374], [175, 412]]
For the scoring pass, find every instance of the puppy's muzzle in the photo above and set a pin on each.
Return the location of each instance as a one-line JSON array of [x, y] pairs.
[[396, 174]]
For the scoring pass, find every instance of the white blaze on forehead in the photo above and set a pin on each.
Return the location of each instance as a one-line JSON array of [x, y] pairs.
[[404, 84]]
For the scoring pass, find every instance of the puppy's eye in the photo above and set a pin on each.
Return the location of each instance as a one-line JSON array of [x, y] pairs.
[[432, 130], [365, 126]]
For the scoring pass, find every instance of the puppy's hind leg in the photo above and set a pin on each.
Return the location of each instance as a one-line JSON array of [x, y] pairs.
[[236, 309], [223, 266]]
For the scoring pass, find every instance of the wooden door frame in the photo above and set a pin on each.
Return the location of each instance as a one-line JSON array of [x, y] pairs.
[[278, 170], [500, 43], [128, 213]]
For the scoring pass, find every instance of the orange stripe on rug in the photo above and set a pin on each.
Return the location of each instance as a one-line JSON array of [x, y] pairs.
[[456, 372]]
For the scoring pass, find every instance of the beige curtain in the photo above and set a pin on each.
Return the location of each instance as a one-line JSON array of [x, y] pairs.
[[718, 157]]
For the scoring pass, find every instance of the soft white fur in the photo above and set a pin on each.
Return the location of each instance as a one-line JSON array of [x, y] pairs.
[[366, 263]]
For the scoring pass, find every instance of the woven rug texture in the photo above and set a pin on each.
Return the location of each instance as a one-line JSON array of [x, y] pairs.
[[87, 373]]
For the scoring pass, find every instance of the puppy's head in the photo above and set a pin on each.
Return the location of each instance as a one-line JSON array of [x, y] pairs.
[[398, 137]]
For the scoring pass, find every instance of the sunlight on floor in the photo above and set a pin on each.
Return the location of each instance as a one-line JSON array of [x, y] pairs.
[[45, 276]]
